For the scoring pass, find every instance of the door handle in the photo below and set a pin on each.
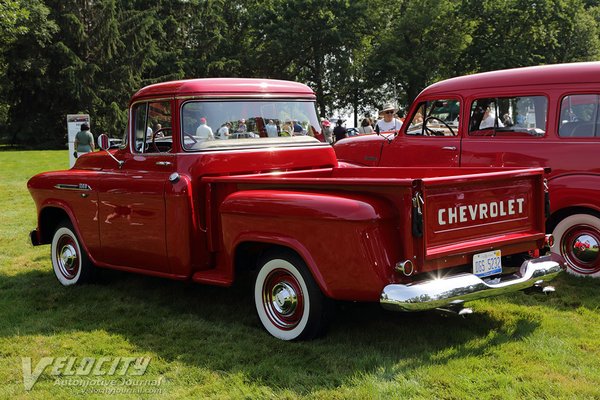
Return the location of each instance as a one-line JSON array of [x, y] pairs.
[[452, 148], [163, 163]]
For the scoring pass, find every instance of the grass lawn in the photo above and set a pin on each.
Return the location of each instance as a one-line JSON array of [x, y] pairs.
[[206, 342]]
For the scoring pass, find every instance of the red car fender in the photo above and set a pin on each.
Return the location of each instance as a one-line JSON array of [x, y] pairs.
[[334, 234]]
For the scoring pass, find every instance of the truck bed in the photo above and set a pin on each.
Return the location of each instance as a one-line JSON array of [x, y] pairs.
[[442, 216]]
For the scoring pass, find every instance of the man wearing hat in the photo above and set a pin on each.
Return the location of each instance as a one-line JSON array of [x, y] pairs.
[[339, 131], [327, 131], [204, 131], [389, 123]]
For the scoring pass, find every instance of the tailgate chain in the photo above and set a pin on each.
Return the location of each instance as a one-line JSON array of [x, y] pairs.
[[546, 199], [417, 215]]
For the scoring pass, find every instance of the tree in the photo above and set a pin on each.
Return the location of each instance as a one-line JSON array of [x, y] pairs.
[[308, 40], [12, 24], [422, 42], [518, 33]]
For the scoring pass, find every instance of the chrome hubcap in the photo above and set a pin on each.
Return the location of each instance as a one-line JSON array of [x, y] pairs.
[[284, 298], [585, 248], [580, 247], [68, 256]]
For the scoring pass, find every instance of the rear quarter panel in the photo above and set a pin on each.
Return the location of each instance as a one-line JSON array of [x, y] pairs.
[[345, 239]]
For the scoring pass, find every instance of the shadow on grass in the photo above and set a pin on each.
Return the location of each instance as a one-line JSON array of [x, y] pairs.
[[216, 328], [572, 292]]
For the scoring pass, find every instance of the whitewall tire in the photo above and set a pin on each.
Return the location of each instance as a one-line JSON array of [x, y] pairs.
[[70, 263], [577, 239], [288, 301]]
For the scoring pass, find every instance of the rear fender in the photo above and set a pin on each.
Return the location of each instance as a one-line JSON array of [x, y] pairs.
[[575, 190], [348, 241]]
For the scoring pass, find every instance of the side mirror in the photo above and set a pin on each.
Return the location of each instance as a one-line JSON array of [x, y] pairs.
[[103, 142]]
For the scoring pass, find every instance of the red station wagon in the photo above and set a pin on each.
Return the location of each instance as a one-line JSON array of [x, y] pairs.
[[547, 116]]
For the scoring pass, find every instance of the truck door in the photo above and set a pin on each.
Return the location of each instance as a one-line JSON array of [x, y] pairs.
[[132, 213], [431, 138]]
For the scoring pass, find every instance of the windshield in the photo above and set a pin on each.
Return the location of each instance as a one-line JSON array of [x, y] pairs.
[[205, 122]]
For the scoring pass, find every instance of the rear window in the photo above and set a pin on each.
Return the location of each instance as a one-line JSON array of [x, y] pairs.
[[212, 123], [579, 116], [523, 116]]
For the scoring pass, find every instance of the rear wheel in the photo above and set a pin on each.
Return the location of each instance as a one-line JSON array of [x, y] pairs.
[[70, 262], [577, 239], [288, 301]]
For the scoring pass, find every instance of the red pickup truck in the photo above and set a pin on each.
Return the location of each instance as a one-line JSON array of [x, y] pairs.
[[208, 184], [546, 116]]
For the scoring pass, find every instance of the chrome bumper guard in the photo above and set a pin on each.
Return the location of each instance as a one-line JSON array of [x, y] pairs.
[[456, 290]]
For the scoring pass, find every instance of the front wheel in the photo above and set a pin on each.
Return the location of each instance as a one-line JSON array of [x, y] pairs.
[[288, 301], [577, 239], [70, 262]]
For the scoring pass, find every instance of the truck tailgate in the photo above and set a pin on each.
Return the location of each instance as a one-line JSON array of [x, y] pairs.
[[480, 213]]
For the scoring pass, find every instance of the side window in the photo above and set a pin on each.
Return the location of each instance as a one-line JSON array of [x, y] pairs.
[[139, 116], [152, 127], [435, 118], [579, 116], [523, 116]]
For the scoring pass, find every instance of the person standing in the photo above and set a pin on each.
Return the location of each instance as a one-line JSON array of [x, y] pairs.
[[204, 131], [84, 141], [388, 123], [242, 126], [339, 131], [271, 129], [298, 130], [327, 131], [223, 132], [365, 127]]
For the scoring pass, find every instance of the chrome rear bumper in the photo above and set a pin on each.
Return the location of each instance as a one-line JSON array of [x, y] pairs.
[[455, 290]]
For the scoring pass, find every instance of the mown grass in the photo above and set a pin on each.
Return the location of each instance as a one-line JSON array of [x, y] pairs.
[[207, 342]]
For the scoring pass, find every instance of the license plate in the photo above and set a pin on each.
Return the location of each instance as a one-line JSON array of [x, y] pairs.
[[486, 264]]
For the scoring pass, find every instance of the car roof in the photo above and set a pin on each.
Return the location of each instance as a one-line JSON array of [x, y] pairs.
[[224, 86], [586, 72]]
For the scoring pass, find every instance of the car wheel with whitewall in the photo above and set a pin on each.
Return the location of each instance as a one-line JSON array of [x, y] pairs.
[[577, 239], [70, 262], [288, 301]]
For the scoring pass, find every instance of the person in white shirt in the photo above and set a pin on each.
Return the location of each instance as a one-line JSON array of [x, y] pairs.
[[365, 127], [488, 120], [223, 132], [204, 131], [389, 123], [271, 129]]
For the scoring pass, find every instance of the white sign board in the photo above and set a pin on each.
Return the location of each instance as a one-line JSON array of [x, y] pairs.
[[74, 122]]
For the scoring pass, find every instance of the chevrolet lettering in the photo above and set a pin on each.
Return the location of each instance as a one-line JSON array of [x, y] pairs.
[[482, 211], [209, 187]]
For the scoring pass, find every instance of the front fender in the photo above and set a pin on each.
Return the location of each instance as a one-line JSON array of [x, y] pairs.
[[360, 150]]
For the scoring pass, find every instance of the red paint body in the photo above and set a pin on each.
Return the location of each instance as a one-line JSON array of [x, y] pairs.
[[231, 201], [574, 180]]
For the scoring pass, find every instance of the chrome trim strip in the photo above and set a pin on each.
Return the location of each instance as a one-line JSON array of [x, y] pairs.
[[233, 96], [455, 290], [73, 186]]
